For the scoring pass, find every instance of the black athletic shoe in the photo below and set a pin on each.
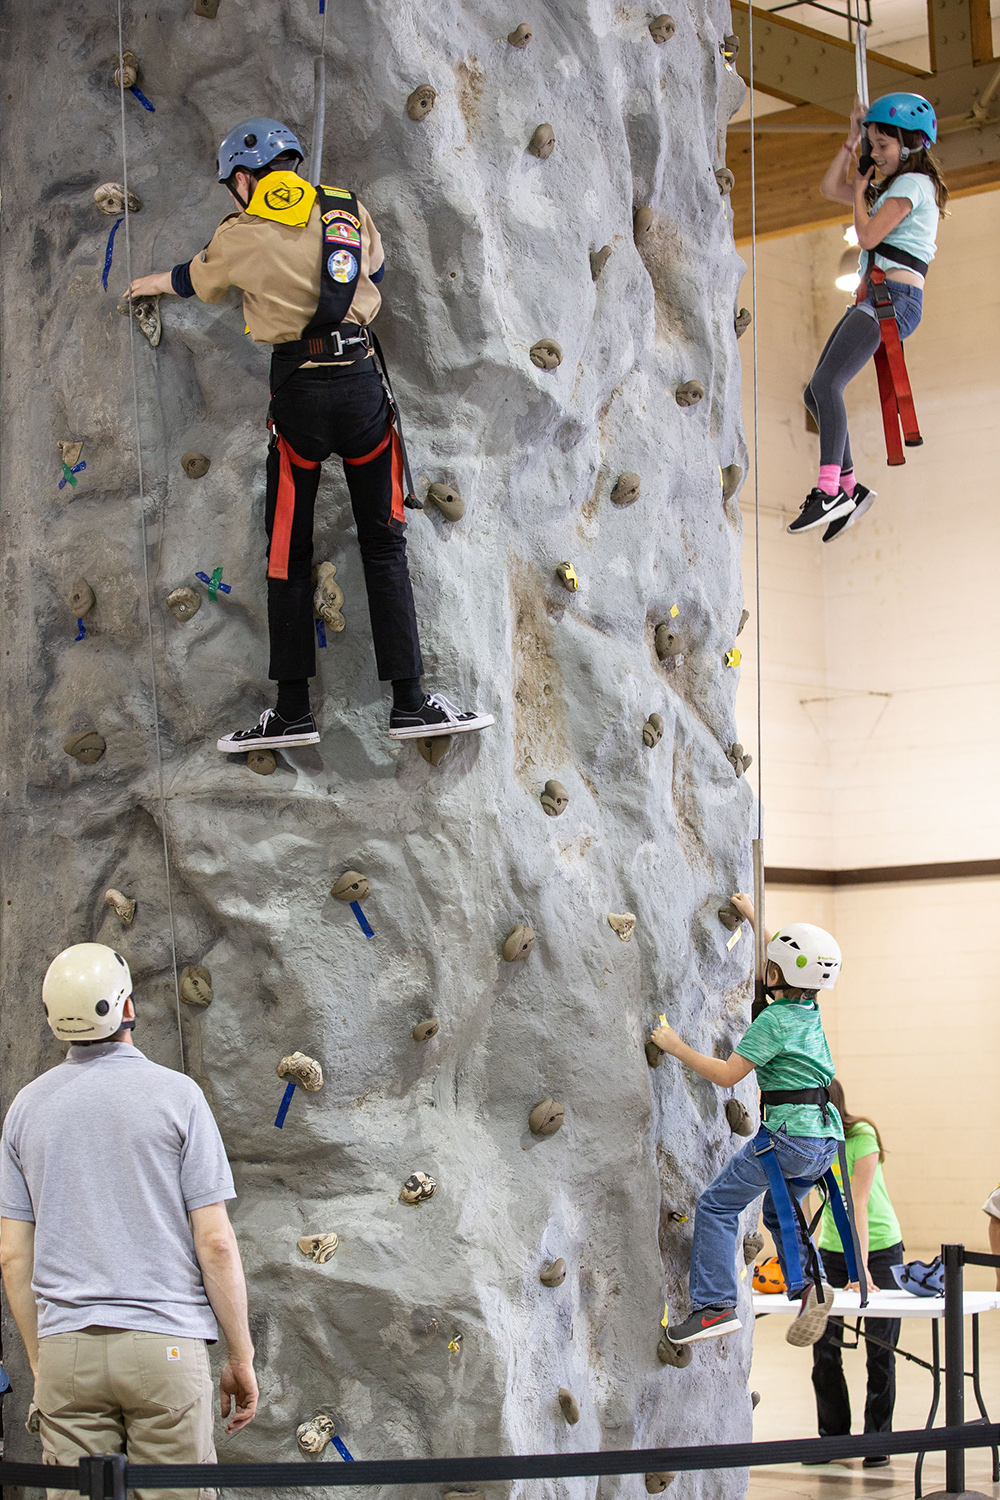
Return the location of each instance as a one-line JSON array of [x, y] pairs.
[[271, 733], [862, 498], [706, 1323], [436, 715], [819, 509]]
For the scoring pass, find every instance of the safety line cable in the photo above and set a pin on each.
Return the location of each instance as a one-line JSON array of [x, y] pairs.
[[161, 798]]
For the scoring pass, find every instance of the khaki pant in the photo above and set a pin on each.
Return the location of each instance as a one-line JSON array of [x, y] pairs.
[[106, 1391]]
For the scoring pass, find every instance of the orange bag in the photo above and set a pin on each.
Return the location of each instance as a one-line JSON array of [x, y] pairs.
[[768, 1277]]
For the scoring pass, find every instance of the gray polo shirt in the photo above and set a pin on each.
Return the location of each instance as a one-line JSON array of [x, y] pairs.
[[106, 1154]]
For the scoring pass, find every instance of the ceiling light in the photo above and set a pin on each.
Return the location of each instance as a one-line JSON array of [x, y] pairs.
[[848, 278]]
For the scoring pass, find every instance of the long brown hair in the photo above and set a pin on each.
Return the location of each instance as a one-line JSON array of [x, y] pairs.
[[837, 1100], [919, 160]]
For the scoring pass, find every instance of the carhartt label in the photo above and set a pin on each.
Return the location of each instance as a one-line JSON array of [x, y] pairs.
[[173, 1352]]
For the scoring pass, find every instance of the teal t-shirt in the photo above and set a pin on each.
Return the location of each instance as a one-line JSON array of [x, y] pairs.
[[918, 231], [788, 1047], [883, 1226]]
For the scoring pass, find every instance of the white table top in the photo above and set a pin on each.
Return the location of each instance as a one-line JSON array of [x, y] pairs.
[[895, 1304]]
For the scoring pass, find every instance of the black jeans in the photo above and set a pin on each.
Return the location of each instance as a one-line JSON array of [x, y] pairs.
[[833, 1406], [314, 414]]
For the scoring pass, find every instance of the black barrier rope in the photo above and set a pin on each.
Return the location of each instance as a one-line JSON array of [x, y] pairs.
[[450, 1470]]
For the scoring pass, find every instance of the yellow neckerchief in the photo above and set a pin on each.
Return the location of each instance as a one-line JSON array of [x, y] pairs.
[[284, 197]]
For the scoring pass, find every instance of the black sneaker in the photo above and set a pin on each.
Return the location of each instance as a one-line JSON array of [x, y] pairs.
[[434, 716], [875, 1461], [819, 508], [271, 733], [706, 1323], [862, 498]]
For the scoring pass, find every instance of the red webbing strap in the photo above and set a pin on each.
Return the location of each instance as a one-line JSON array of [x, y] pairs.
[[890, 412], [894, 391], [284, 509]]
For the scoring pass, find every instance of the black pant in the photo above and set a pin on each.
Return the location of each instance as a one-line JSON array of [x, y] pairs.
[[315, 413], [833, 1406]]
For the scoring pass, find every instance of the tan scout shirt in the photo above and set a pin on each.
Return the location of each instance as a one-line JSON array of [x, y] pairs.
[[277, 267]]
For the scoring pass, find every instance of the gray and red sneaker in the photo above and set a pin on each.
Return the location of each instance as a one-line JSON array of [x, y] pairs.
[[706, 1323]]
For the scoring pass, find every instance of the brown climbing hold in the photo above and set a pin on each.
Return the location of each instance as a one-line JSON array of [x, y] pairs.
[[519, 942], [554, 799], [183, 603], [654, 1056], [262, 762], [305, 1070], [128, 64], [627, 489], [207, 8], [448, 501], [598, 260], [319, 1247], [738, 758], [328, 599], [543, 142], [195, 465], [753, 1244], [690, 393], [657, 1483], [520, 36], [567, 575], [546, 1118], [739, 1118], [666, 642], [678, 1355], [622, 922], [725, 179], [352, 886], [146, 312], [86, 746], [110, 199], [742, 321], [642, 223], [81, 599], [69, 454], [425, 1323], [731, 476], [546, 354], [662, 28], [553, 1273], [123, 905], [744, 617], [314, 1435], [196, 985], [424, 1030], [652, 730], [730, 48], [435, 748], [754, 1400], [569, 1406], [417, 1188], [729, 917], [421, 102]]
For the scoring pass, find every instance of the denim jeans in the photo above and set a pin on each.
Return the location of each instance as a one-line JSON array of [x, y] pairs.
[[907, 302], [713, 1280], [833, 1405]]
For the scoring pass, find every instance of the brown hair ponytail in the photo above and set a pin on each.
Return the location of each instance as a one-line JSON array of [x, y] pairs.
[[837, 1100]]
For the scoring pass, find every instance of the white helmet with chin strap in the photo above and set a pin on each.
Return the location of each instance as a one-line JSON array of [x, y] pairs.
[[807, 956], [84, 992]]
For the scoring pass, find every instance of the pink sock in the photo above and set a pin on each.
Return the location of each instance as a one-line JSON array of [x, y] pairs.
[[847, 482], [829, 478]]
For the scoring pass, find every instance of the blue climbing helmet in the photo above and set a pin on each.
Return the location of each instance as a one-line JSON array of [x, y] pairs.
[[255, 143], [906, 112], [922, 1278]]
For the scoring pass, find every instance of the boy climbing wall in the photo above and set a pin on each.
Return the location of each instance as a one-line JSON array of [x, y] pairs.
[[309, 261], [787, 1046]]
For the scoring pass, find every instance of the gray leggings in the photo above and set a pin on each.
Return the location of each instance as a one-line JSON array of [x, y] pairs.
[[848, 349]]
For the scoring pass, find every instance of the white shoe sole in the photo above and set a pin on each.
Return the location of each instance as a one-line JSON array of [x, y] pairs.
[[833, 514], [860, 510], [266, 742], [429, 731], [808, 1327]]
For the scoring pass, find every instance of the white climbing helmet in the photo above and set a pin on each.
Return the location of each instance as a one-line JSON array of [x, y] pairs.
[[84, 992], [808, 956]]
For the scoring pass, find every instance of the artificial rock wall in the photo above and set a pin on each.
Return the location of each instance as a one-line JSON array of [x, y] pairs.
[[488, 251]]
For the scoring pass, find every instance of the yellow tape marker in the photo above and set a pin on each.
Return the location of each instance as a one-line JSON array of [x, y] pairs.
[[674, 611], [666, 1316], [734, 939], [743, 1274], [663, 1022], [456, 1343]]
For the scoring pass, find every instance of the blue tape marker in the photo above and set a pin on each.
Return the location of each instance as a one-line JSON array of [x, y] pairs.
[[321, 632], [362, 919], [137, 91], [109, 252], [214, 583], [322, 6], [286, 1100], [82, 631], [341, 1448], [68, 474]]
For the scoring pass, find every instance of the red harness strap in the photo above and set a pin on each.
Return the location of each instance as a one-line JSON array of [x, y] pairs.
[[890, 367], [397, 516], [284, 510]]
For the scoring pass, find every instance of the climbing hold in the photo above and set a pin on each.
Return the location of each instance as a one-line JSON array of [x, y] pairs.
[[598, 260], [86, 746], [742, 321], [196, 985], [421, 102], [690, 393], [667, 643], [730, 48], [738, 758], [566, 573], [733, 657], [123, 905], [195, 464], [417, 1188], [304, 1070], [129, 65], [739, 1118], [146, 312], [425, 1322], [676, 1217], [110, 199], [678, 1355], [435, 748], [731, 476], [553, 1273], [519, 942], [207, 8], [69, 454], [262, 762], [81, 600], [654, 1054], [520, 36], [314, 1435], [642, 223], [554, 799], [725, 179], [754, 1400], [546, 354], [623, 923], [744, 617], [657, 1483], [328, 600], [546, 1118], [569, 1406], [627, 489], [320, 1247], [753, 1244], [352, 886], [652, 730], [662, 28], [543, 142], [424, 1030], [184, 603], [448, 501], [729, 917]]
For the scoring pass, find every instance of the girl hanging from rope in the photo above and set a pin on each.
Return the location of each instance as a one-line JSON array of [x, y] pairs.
[[896, 220]]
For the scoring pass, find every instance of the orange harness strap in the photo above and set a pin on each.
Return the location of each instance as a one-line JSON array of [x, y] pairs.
[[284, 510], [397, 516], [894, 391]]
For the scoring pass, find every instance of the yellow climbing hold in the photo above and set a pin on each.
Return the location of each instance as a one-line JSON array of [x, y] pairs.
[[666, 1316], [734, 657]]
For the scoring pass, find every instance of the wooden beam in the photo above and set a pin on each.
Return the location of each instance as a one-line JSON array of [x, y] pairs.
[[982, 31], [963, 869]]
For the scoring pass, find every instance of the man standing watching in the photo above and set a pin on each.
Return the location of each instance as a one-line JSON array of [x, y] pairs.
[[116, 1250]]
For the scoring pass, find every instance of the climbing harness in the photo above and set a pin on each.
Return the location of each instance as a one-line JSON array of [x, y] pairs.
[[894, 391]]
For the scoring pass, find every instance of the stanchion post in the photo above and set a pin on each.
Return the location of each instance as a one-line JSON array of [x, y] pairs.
[[954, 1362]]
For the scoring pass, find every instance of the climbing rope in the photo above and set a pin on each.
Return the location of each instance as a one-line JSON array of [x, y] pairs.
[[319, 102], [758, 843], [161, 799]]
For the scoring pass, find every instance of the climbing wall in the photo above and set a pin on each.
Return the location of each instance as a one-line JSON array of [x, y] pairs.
[[428, 1331]]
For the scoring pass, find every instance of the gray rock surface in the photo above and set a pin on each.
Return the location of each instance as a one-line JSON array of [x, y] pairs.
[[488, 252]]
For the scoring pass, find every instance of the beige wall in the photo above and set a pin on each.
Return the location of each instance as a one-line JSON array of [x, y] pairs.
[[881, 714]]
